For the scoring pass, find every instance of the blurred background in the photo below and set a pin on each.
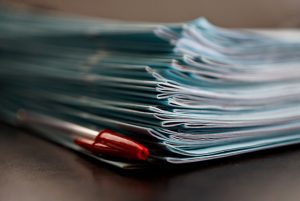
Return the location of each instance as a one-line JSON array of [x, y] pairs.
[[229, 13]]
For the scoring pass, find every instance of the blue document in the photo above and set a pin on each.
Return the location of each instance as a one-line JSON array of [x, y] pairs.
[[187, 92]]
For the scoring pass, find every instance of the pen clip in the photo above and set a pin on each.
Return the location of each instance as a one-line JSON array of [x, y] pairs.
[[110, 143]]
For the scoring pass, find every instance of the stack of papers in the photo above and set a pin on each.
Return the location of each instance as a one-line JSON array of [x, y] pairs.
[[188, 92]]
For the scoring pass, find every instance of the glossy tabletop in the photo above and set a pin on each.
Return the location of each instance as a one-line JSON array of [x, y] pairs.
[[34, 169]]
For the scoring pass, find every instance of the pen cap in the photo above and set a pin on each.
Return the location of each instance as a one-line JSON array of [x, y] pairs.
[[126, 147], [110, 143]]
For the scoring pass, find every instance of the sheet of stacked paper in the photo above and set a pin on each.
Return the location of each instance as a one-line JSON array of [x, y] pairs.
[[188, 91]]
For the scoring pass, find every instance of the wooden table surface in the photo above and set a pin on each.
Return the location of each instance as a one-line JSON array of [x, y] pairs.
[[32, 169]]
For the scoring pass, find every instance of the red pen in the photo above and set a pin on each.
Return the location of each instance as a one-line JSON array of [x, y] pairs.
[[105, 142]]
